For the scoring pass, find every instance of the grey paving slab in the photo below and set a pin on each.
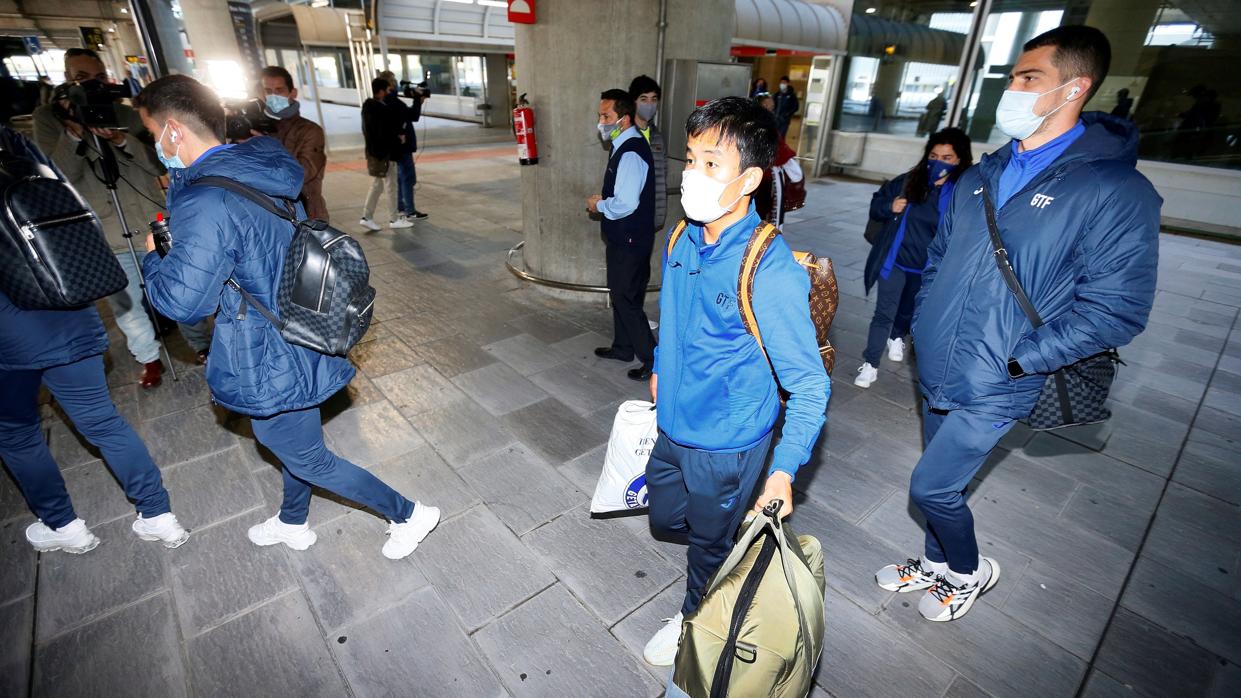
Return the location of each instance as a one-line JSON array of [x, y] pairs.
[[1207, 468], [526, 354], [1100, 685], [186, 435], [1153, 661], [74, 589], [1114, 518], [189, 390], [417, 390], [454, 355], [499, 389], [526, 647], [1186, 607], [578, 388], [285, 655], [1092, 468], [1202, 512], [383, 356], [545, 327], [864, 656], [16, 639], [609, 570], [219, 573], [1008, 472], [964, 688], [520, 487], [415, 647], [638, 627], [553, 431], [842, 485], [147, 662], [371, 434], [461, 431], [17, 574], [478, 540], [1059, 609], [424, 327], [211, 488], [12, 504], [346, 577], [422, 475], [584, 470], [97, 496], [324, 505]]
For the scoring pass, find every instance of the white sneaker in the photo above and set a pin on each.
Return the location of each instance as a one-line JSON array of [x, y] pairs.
[[369, 225], [73, 537], [866, 375], [164, 528], [661, 649], [403, 538], [273, 531], [400, 223], [952, 596], [896, 350]]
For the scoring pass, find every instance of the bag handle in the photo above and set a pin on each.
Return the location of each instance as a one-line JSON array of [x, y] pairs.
[[289, 213], [1006, 268], [676, 235], [764, 234]]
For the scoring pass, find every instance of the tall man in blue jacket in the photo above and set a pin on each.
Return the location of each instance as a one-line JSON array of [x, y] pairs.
[[1081, 228], [627, 207], [221, 236], [717, 397]]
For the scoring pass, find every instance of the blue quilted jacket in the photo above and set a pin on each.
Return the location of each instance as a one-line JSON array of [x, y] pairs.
[[216, 235]]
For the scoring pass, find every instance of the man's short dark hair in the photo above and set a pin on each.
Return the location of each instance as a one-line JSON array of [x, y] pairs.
[[643, 84], [741, 122], [78, 53], [275, 71], [622, 103], [186, 100], [379, 84], [1081, 52]]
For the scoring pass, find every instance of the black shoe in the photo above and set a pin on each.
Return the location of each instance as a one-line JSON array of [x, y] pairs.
[[610, 353], [641, 373], [418, 214]]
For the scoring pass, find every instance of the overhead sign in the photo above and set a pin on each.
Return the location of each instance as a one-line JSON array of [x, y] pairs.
[[92, 37], [521, 11]]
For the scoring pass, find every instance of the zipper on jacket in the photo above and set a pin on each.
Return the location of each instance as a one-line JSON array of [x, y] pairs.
[[684, 328]]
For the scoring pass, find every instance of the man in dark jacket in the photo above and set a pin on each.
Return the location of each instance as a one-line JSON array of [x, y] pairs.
[[300, 136], [220, 236], [645, 93], [381, 131], [62, 350], [787, 105], [407, 114], [1081, 228]]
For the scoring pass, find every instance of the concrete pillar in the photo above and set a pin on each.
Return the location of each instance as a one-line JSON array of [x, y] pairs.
[[575, 51], [495, 92], [888, 84]]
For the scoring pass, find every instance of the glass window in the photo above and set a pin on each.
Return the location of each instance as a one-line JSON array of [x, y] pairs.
[[333, 67]]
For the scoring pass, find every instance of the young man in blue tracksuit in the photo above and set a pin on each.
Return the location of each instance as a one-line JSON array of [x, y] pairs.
[[218, 236], [62, 350], [716, 397], [1081, 228]]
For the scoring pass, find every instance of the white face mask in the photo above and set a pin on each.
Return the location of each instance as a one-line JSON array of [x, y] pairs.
[[1015, 113], [700, 196]]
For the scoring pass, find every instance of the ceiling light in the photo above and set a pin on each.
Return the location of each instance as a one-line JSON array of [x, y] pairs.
[[974, 4], [870, 10], [124, 10], [493, 3], [463, 2]]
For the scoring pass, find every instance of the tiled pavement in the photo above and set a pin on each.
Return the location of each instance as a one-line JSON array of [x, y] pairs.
[[481, 395]]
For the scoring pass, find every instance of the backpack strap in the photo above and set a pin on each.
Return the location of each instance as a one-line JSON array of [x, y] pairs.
[[289, 213], [675, 235], [764, 234]]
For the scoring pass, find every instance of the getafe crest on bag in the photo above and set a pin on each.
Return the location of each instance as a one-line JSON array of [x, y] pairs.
[[622, 484]]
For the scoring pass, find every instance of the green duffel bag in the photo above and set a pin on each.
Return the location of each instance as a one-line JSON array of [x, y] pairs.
[[759, 630]]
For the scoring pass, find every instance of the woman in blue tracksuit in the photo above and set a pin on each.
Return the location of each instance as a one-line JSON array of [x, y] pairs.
[[63, 351], [911, 207]]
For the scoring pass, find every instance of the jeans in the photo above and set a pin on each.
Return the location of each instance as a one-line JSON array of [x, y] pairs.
[[82, 390], [956, 444], [894, 309], [406, 178], [378, 184], [135, 324], [297, 440], [704, 496]]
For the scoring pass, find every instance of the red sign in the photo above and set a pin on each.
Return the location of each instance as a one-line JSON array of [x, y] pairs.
[[521, 11]]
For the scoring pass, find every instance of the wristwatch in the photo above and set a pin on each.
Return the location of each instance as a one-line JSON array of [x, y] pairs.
[[1014, 369]]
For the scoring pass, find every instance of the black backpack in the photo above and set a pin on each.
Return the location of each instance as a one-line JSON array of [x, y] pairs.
[[324, 298], [53, 252]]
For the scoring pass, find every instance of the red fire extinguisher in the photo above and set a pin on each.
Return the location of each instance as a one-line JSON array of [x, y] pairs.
[[523, 127]]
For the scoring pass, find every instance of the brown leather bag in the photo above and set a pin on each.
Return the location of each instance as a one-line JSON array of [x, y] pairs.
[[824, 292]]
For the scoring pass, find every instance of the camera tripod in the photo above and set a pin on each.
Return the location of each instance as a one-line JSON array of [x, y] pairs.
[[111, 172]]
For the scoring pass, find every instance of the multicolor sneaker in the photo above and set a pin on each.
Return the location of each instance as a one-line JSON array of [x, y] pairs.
[[952, 597], [911, 576]]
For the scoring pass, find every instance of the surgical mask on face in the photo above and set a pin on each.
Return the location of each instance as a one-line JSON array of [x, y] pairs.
[[938, 169], [171, 163], [784, 87], [276, 104], [607, 131], [700, 196], [1015, 115], [646, 110]]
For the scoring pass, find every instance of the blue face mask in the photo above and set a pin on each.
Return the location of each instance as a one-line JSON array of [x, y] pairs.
[[937, 169], [276, 103], [171, 163]]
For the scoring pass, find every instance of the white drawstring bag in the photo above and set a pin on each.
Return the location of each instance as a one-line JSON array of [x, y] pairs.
[[622, 484]]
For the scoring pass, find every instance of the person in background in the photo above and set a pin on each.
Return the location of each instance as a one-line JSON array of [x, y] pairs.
[[381, 130], [912, 206], [71, 145], [1124, 103], [645, 93], [406, 175], [300, 136], [929, 121], [62, 350], [769, 208], [758, 86], [627, 209], [786, 105]]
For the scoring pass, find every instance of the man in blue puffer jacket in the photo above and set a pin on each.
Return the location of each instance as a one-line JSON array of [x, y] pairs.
[[219, 235], [1081, 228], [63, 350]]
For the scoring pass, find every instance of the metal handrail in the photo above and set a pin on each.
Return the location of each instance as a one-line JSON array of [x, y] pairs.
[[565, 285]]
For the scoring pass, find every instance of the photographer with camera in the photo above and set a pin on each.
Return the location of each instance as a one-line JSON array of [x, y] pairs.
[[406, 177], [66, 129], [300, 136]]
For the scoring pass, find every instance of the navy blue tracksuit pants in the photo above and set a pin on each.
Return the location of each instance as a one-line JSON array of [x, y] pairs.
[[704, 496], [956, 443], [297, 440], [894, 310], [82, 391]]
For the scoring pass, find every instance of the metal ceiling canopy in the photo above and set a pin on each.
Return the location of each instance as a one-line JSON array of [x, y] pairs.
[[794, 25]]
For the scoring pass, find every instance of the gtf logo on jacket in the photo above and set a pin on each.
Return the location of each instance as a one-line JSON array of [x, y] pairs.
[[1041, 200]]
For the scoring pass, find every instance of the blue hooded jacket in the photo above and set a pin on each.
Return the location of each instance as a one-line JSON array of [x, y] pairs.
[[216, 235], [1083, 238], [716, 390]]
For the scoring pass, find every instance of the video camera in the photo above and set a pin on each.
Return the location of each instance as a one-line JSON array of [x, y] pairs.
[[415, 91], [92, 103], [246, 116]]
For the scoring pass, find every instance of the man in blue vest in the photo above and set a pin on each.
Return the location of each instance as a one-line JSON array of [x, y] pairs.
[[627, 208], [1081, 228]]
